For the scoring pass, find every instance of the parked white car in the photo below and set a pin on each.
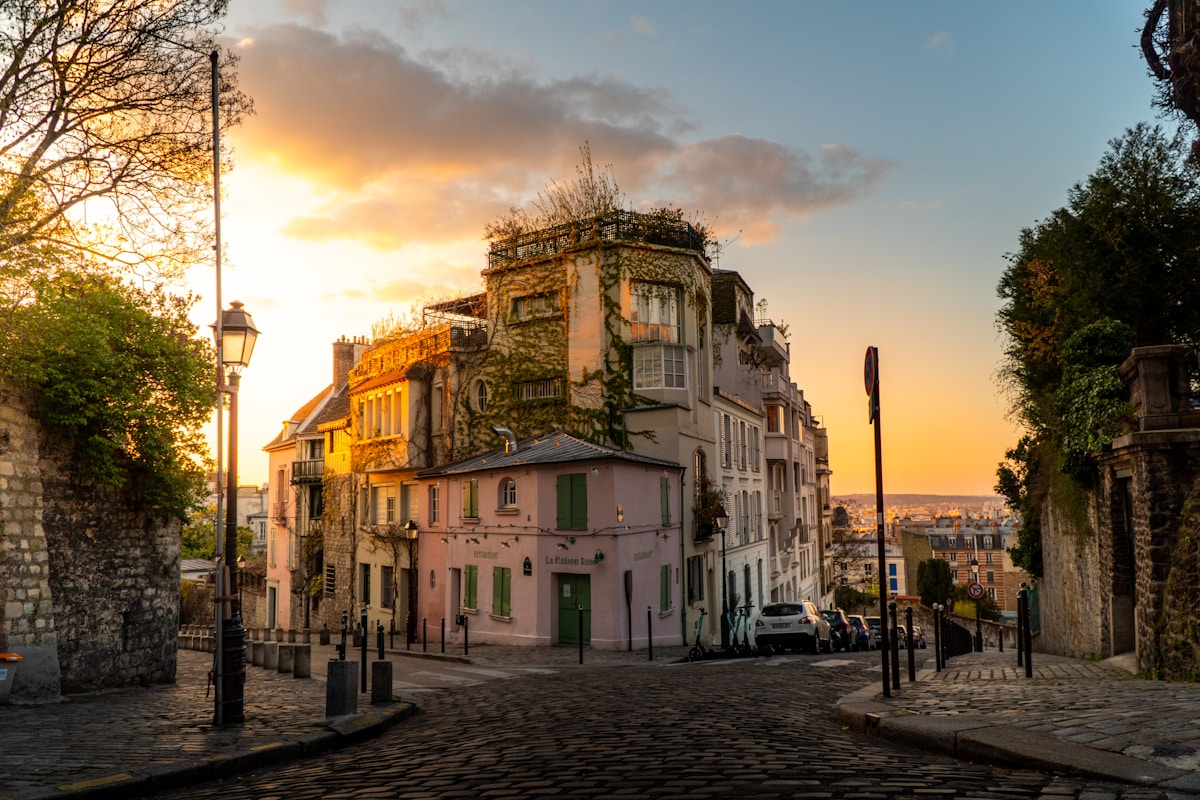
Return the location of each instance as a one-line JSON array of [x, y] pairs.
[[798, 625]]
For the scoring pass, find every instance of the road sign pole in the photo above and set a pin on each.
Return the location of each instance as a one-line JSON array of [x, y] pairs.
[[871, 380]]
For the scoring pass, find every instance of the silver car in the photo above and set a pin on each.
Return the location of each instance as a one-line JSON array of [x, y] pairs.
[[797, 625]]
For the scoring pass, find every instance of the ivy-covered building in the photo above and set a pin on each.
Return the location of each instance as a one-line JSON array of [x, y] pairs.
[[601, 330]]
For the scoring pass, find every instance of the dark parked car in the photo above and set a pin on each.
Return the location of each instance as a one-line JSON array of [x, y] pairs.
[[840, 630], [863, 640]]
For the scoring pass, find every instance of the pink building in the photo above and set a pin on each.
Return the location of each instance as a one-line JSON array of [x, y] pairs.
[[515, 541]]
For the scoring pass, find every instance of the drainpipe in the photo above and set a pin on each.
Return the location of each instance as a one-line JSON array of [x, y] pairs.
[[510, 438], [683, 620]]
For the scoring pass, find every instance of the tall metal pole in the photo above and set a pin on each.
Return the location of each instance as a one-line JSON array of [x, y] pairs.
[[219, 587], [871, 374], [233, 672]]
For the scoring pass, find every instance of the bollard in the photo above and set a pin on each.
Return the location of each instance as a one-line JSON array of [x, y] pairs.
[[895, 646], [323, 637], [466, 639], [287, 658], [363, 628], [1000, 636], [649, 633], [341, 648], [291, 635], [381, 679], [392, 633], [279, 634], [912, 653], [302, 666], [937, 637], [407, 630], [270, 655], [1021, 626], [341, 688], [443, 634], [379, 639], [580, 607], [424, 634], [256, 652], [1028, 637], [306, 636]]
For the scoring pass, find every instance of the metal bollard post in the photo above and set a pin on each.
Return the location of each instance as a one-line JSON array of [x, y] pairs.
[[580, 607], [1028, 637], [362, 669], [649, 633], [466, 637], [895, 646], [424, 634], [1021, 626], [937, 637], [379, 638], [443, 634], [341, 648], [1000, 636], [408, 627], [392, 633], [912, 653]]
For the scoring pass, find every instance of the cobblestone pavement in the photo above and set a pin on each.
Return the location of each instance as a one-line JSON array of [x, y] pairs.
[[620, 726]]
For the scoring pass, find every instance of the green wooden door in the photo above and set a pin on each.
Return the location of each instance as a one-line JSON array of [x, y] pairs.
[[574, 591]]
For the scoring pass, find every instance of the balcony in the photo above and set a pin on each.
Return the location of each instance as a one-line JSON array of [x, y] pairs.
[[308, 472], [775, 447], [616, 226]]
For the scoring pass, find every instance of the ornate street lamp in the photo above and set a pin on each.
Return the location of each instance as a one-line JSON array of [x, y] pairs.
[[719, 521], [235, 337], [410, 625], [978, 625]]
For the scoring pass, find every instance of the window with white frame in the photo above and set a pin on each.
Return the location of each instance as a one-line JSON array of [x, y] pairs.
[[544, 389], [508, 493], [533, 306], [660, 366], [383, 504], [654, 312], [381, 413], [434, 504], [755, 448]]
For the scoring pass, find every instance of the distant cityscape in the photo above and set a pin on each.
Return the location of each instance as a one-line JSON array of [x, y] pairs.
[[921, 507]]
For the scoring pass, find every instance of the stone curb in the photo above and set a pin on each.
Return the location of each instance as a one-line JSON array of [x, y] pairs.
[[975, 738], [340, 732]]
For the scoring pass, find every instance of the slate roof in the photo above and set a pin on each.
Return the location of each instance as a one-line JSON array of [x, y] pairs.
[[300, 416], [553, 448]]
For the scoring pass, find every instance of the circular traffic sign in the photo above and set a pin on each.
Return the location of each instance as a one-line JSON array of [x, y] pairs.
[[871, 369], [975, 590]]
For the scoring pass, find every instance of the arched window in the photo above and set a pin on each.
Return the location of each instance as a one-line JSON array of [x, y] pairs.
[[508, 493], [481, 396]]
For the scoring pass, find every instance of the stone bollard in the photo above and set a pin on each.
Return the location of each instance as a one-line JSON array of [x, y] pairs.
[[341, 688], [302, 666], [324, 636], [291, 636], [381, 682], [270, 655], [306, 636], [256, 652], [279, 634], [287, 657], [208, 644]]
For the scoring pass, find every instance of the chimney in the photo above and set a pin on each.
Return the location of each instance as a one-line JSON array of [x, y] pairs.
[[346, 353]]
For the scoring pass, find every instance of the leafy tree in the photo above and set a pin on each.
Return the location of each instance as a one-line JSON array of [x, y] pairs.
[[934, 582], [1118, 267], [107, 103], [851, 599], [200, 534], [120, 377]]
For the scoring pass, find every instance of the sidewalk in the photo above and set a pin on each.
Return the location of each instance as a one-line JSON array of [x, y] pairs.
[[1081, 718], [129, 742]]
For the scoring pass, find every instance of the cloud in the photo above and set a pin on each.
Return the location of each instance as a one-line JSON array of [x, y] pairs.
[[643, 26], [942, 42], [400, 149], [312, 10]]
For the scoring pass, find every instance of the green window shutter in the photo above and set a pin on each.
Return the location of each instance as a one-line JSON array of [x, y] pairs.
[[564, 501], [579, 502], [572, 501], [470, 585], [502, 591], [474, 498], [664, 588], [664, 491]]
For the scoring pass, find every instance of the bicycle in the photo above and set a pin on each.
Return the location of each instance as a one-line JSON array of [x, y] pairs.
[[698, 651]]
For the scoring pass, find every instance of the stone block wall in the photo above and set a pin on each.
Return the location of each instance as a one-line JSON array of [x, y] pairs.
[[26, 600], [89, 581], [1071, 592]]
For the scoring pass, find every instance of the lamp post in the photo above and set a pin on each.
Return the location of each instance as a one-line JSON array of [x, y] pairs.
[[410, 533], [978, 625], [235, 336], [719, 520]]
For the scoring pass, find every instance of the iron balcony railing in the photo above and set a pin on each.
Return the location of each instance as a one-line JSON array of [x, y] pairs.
[[617, 226], [308, 471]]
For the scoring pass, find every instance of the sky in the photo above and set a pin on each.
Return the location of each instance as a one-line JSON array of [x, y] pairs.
[[867, 167]]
